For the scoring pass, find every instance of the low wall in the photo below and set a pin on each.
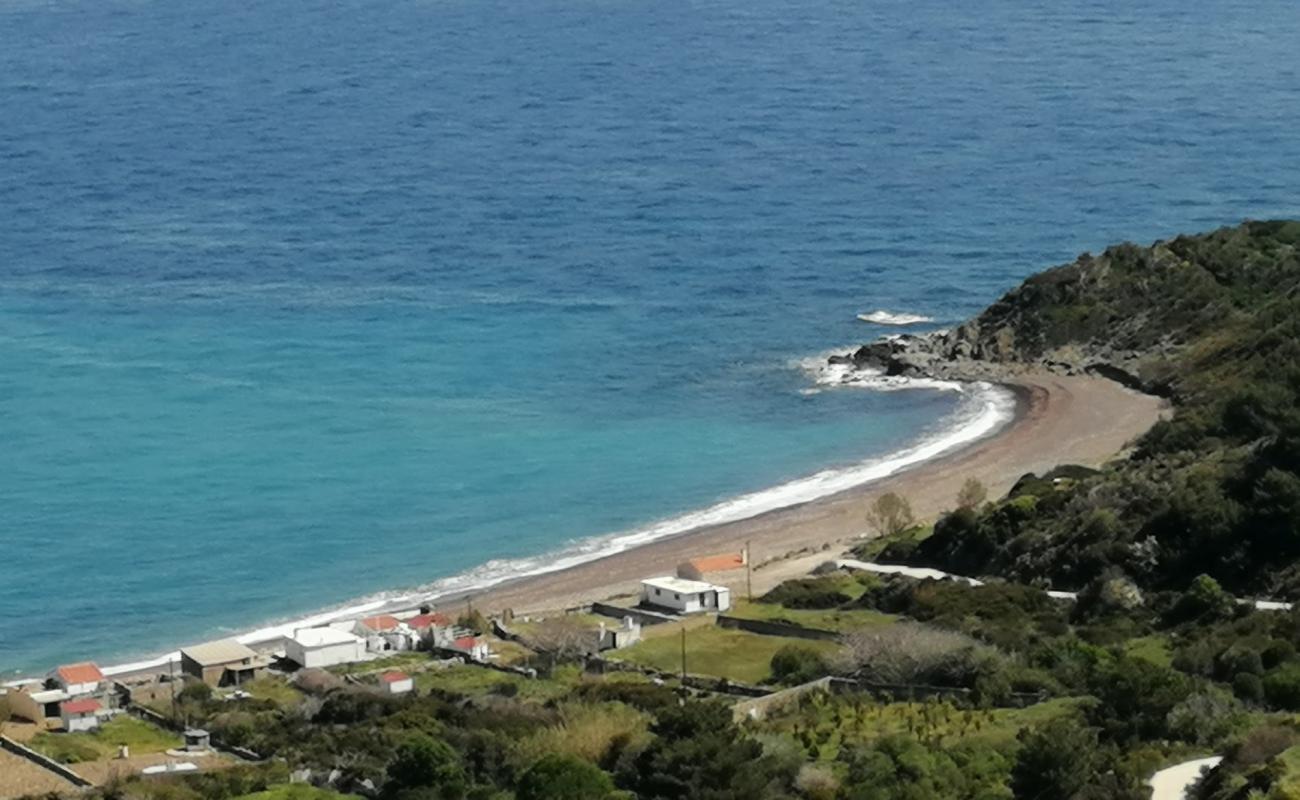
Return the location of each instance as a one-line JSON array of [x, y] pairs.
[[708, 683], [770, 628], [44, 762], [760, 707], [639, 614]]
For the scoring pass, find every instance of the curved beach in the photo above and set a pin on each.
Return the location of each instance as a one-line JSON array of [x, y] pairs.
[[1058, 420], [1061, 420]]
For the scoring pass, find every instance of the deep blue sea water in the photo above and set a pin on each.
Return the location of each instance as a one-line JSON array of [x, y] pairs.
[[305, 301]]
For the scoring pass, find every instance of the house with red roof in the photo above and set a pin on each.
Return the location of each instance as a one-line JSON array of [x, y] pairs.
[[78, 679], [42, 702], [431, 629], [472, 646], [385, 633], [396, 683], [698, 568], [81, 714]]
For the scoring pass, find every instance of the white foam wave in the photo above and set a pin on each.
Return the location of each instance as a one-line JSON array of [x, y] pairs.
[[983, 410], [883, 317]]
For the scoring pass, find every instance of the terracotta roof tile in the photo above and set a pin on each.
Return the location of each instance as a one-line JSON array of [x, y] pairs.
[[85, 705], [382, 622], [85, 672]]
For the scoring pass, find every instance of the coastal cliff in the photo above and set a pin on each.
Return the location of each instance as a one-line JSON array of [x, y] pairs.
[[1138, 315], [1211, 322]]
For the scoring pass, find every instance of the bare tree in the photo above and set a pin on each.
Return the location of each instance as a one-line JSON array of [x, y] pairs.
[[972, 494], [563, 637], [908, 652], [891, 514]]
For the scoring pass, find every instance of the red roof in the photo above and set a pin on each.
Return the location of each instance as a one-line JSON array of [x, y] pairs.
[[85, 672], [394, 677], [85, 705], [434, 620], [383, 622], [719, 563], [465, 643]]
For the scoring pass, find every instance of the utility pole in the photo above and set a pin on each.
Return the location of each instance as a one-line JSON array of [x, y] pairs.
[[683, 658], [749, 574]]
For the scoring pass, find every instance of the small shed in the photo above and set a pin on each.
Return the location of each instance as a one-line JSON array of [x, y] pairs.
[[197, 740], [396, 683], [684, 596], [80, 715], [626, 635], [222, 663]]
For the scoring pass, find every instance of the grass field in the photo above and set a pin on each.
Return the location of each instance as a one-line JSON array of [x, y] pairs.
[[735, 655], [73, 748], [274, 689], [826, 619]]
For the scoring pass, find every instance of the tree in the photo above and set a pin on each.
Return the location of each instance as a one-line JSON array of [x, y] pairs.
[[909, 652], [562, 777], [972, 494], [891, 514], [423, 763], [698, 752], [5, 713], [1056, 761]]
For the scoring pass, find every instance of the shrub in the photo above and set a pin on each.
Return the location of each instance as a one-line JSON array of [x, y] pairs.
[[819, 593], [1248, 687], [561, 777], [1282, 687], [798, 663]]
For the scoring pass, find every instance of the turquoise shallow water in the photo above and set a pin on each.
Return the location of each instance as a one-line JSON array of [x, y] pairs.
[[302, 302]]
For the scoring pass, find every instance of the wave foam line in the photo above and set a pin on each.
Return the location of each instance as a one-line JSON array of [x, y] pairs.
[[883, 317], [985, 409]]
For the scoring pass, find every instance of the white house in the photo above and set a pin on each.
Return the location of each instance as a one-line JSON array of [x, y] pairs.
[[684, 596], [472, 646], [396, 682], [78, 679], [80, 715], [323, 647], [384, 633]]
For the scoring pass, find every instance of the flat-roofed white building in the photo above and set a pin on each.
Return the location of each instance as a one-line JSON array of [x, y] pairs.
[[323, 647], [684, 596]]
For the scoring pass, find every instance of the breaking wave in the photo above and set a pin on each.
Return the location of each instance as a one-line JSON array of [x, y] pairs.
[[882, 317]]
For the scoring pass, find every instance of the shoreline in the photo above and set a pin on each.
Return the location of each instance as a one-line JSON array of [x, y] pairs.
[[1057, 419]]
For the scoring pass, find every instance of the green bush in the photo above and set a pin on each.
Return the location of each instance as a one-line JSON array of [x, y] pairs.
[[561, 777], [798, 663], [1282, 687]]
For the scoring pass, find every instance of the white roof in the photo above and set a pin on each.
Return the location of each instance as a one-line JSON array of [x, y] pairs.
[[681, 585], [323, 637]]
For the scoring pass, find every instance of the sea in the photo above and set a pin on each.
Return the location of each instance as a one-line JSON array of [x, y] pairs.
[[307, 305]]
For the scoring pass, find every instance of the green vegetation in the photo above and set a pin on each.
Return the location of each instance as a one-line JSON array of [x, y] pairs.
[[718, 652], [297, 791], [72, 748]]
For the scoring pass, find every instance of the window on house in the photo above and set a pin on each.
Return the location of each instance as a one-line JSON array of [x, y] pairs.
[[676, 596], [702, 598]]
